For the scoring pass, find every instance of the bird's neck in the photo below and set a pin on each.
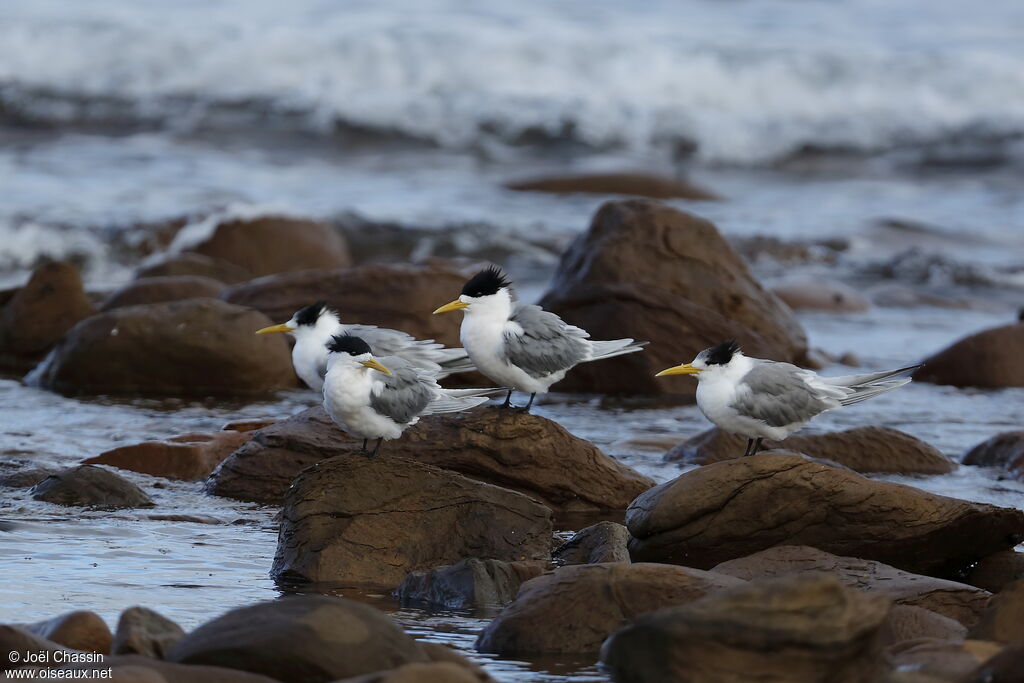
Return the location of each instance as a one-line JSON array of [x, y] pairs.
[[493, 309]]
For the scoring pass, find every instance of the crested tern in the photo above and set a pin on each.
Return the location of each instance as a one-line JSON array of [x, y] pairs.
[[766, 399], [373, 398], [314, 325], [521, 346]]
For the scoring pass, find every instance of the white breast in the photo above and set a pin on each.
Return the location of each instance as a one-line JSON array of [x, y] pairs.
[[347, 401]]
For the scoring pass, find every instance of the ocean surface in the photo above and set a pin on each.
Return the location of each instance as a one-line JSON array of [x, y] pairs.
[[885, 139]]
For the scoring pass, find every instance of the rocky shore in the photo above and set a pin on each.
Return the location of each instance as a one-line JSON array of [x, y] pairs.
[[798, 564]]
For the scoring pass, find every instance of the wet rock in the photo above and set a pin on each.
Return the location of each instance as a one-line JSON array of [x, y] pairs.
[[140, 669], [1005, 450], [863, 449], [573, 609], [79, 630], [154, 290], [647, 271], [247, 425], [954, 600], [300, 639], [1004, 667], [26, 478], [17, 639], [994, 572], [945, 660], [396, 296], [472, 583], [189, 264], [434, 672], [988, 359], [792, 629], [354, 520], [271, 244], [1003, 619], [40, 313], [820, 295], [141, 631], [199, 347], [187, 457], [93, 487], [595, 544], [738, 507], [524, 452], [637, 184], [906, 622]]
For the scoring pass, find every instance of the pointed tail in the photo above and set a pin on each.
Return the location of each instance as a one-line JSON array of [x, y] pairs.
[[615, 347], [863, 387]]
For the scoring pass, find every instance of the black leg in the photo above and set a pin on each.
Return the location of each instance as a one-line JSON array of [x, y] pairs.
[[526, 409], [364, 445], [750, 442], [757, 445], [376, 449], [508, 400]]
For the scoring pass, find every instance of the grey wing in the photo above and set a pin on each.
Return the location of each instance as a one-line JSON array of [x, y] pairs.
[[425, 353], [781, 394], [546, 344], [405, 393]]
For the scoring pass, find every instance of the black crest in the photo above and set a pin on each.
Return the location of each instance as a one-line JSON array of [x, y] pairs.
[[721, 354], [485, 282], [310, 314], [345, 343]]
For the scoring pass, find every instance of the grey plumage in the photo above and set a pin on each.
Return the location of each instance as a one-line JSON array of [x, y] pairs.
[[780, 395], [410, 392], [547, 344], [425, 353], [863, 387]]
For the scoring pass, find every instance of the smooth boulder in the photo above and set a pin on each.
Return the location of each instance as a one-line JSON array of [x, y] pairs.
[[734, 508], [93, 487], [197, 347], [355, 521], [793, 629], [189, 264], [820, 295], [141, 631], [520, 451], [187, 457], [602, 542], [906, 622], [954, 600], [995, 571], [1004, 450], [573, 609], [469, 584], [78, 630], [989, 359], [273, 244], [396, 296], [863, 449], [300, 639], [650, 272], [939, 660], [154, 290], [1003, 619]]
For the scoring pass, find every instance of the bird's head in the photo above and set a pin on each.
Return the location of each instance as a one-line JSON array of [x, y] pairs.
[[708, 362], [487, 290], [344, 347], [306, 320]]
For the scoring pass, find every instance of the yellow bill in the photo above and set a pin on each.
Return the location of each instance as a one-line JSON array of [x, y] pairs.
[[453, 306], [375, 364], [684, 369], [283, 327]]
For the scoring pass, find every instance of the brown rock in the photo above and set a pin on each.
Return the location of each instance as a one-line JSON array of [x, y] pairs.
[[247, 425], [26, 478], [863, 449], [906, 622], [268, 245], [1003, 620], [472, 583], [187, 457], [189, 264], [946, 660], [434, 672], [636, 184], [520, 451], [988, 359], [20, 640], [354, 520], [39, 314], [395, 296], [791, 629], [140, 669], [79, 630], [737, 507], [948, 598], [599, 543], [820, 295], [649, 272], [997, 570], [300, 639], [142, 631], [154, 290], [91, 486], [1005, 667], [573, 609], [1005, 450], [197, 347]]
